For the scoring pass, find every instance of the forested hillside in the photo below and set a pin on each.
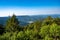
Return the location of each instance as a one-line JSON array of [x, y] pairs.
[[24, 20], [46, 29]]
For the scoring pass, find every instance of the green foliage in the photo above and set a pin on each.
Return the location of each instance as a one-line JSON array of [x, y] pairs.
[[44, 31], [13, 36], [48, 29], [12, 24], [55, 30], [20, 36], [48, 21], [5, 36], [48, 38], [57, 20]]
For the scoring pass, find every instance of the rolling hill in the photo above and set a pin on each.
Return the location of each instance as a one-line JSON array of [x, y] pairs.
[[24, 20]]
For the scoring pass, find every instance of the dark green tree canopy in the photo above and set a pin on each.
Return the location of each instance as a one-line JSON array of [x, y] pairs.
[[12, 24]]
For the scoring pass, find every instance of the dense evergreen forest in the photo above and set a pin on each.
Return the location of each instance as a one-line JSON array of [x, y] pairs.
[[46, 29]]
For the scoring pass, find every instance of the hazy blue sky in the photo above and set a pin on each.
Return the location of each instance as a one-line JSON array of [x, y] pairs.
[[29, 7]]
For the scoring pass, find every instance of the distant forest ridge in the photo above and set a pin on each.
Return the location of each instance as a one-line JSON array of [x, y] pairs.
[[24, 20]]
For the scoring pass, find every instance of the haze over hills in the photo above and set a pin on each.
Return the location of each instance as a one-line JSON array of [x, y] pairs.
[[24, 20]]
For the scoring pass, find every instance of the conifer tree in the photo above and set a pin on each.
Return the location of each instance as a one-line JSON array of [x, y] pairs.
[[12, 24]]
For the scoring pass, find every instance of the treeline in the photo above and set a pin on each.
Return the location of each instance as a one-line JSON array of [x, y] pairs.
[[47, 29]]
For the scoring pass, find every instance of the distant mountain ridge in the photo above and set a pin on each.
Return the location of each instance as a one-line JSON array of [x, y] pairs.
[[24, 20]]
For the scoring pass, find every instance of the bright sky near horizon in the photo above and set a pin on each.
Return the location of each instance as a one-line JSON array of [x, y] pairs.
[[29, 7]]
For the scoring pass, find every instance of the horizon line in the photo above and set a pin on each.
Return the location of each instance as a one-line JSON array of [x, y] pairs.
[[29, 15]]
